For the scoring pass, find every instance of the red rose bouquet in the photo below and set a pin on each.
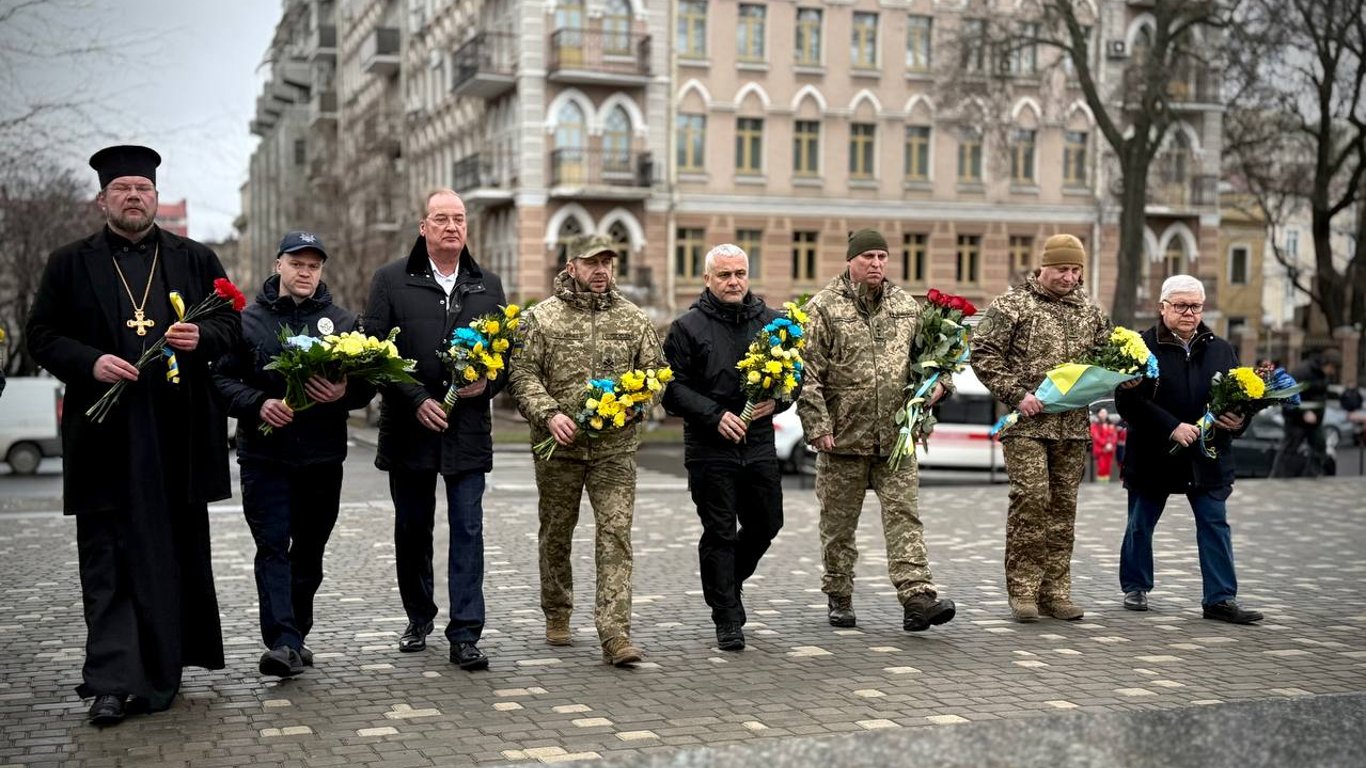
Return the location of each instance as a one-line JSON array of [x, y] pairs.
[[940, 346]]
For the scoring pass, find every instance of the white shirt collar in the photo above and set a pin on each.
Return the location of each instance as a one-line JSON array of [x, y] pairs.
[[447, 282]]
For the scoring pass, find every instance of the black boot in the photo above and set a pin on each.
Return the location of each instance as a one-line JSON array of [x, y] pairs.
[[730, 637], [842, 611], [924, 610]]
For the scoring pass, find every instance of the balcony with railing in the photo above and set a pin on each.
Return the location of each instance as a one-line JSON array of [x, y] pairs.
[[486, 66], [379, 52], [1176, 194], [485, 178], [322, 109], [1187, 87], [598, 56], [324, 41], [598, 173]]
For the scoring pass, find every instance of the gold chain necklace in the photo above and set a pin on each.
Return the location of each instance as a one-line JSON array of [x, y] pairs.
[[140, 321]]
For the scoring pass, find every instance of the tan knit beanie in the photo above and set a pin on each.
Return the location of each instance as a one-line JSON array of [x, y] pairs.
[[1063, 249]]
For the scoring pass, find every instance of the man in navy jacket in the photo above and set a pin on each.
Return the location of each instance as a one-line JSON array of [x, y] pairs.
[[1161, 414], [291, 477]]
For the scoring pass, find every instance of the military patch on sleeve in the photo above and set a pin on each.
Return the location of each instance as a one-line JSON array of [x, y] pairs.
[[989, 322]]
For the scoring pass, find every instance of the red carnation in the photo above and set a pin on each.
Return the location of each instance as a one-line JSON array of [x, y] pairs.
[[969, 310], [224, 288]]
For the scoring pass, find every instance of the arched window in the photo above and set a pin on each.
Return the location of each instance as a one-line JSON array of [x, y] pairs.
[[618, 234], [571, 141], [1174, 259], [616, 28], [569, 230], [616, 142]]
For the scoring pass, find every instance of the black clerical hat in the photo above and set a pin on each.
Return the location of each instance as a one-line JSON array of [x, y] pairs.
[[125, 160]]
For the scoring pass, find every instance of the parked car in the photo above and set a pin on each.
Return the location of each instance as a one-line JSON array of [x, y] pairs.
[[961, 438], [794, 455], [30, 418]]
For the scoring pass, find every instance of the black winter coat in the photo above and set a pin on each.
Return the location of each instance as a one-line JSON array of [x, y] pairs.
[[404, 295], [318, 434], [1180, 395], [702, 347]]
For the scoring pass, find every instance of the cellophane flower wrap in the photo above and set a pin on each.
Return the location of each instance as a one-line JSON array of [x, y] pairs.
[[1123, 357], [1241, 391], [225, 294], [351, 355], [479, 349], [940, 348], [772, 367], [608, 405]]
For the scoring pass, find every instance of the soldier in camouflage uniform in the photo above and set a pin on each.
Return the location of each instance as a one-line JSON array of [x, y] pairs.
[[587, 330], [1046, 321], [858, 359]]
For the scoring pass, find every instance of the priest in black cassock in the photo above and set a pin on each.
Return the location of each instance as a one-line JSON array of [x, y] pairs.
[[138, 483]]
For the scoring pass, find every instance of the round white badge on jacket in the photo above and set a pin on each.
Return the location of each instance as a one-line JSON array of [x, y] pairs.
[[325, 326]]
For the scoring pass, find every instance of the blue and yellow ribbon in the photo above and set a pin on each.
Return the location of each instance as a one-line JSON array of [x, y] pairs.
[[172, 365]]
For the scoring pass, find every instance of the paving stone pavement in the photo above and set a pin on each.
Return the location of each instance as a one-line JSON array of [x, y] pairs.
[[1299, 547]]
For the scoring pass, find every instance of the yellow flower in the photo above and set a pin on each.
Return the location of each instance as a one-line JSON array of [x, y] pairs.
[[390, 349], [595, 422], [753, 377], [773, 366], [500, 345], [470, 375], [493, 375], [789, 383], [350, 346], [653, 385], [511, 311], [776, 352], [1249, 382], [513, 323], [665, 375], [619, 420], [609, 397], [491, 327], [768, 382], [478, 347]]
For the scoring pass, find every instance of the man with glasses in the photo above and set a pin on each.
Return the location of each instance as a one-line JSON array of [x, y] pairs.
[[138, 482], [587, 330], [436, 289], [1162, 413], [1045, 321]]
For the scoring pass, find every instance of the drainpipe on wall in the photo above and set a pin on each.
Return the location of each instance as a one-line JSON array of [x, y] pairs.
[[671, 162]]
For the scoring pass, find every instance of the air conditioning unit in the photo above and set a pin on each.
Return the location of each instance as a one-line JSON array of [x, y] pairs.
[[1117, 49]]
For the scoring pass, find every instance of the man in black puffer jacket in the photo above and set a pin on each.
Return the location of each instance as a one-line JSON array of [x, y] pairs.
[[732, 471], [1162, 413], [291, 477]]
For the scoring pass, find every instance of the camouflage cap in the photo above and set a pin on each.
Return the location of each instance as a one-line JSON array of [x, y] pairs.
[[591, 245]]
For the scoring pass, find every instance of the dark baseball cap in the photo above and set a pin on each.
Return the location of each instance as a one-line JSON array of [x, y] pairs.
[[300, 241]]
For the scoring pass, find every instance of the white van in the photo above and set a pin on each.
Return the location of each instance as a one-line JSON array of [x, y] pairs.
[[30, 412], [960, 439]]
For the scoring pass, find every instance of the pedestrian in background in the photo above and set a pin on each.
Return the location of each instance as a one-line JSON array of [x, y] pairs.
[[858, 361], [733, 472], [587, 330]]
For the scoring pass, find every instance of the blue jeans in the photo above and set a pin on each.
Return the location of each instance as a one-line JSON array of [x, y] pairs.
[[1212, 539], [291, 512], [414, 495]]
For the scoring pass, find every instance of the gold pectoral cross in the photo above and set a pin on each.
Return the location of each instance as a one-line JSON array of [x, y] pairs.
[[141, 322]]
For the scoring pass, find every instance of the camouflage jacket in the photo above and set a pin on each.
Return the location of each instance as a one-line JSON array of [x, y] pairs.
[[568, 339], [1024, 333], [858, 360]]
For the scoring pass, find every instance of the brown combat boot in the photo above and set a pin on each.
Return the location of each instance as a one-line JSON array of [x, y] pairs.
[[557, 632], [1024, 609], [620, 653], [1060, 608]]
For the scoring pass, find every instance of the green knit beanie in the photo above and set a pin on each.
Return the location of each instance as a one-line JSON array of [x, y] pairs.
[[865, 240]]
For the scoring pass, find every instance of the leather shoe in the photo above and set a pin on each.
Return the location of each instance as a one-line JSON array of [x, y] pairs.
[[730, 637], [415, 637], [306, 655], [1230, 611], [1136, 600], [468, 657], [108, 709], [281, 662]]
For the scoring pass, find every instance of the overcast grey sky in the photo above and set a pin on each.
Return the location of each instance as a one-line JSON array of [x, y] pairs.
[[180, 76]]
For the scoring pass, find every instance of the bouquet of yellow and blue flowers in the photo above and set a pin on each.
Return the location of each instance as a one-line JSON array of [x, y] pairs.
[[479, 349], [1242, 391], [1122, 358], [772, 368], [940, 346], [351, 355], [612, 404]]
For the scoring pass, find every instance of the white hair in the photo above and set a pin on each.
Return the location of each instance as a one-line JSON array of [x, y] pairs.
[[724, 249], [1181, 284]]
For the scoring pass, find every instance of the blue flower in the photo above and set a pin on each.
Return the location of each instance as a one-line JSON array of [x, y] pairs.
[[774, 341], [301, 342], [1152, 367], [603, 385], [468, 337], [795, 332]]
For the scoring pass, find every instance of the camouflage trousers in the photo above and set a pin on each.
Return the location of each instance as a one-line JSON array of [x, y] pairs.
[[840, 484], [1044, 477], [611, 485]]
